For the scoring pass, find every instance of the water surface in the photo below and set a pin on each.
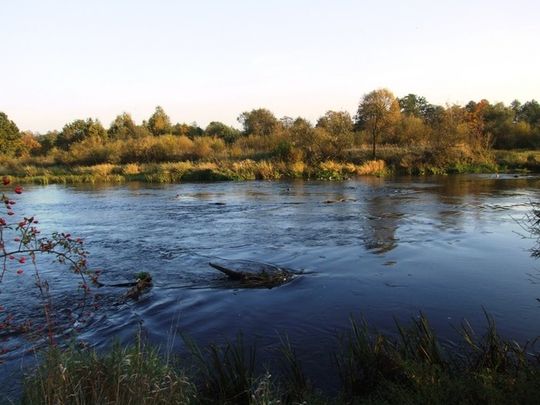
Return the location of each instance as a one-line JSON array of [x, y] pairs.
[[377, 248]]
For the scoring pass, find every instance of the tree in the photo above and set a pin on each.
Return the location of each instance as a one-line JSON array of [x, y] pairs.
[[123, 127], [80, 130], [29, 144], [452, 129], [411, 131], [479, 137], [377, 112], [48, 142], [530, 113], [336, 122], [499, 121], [304, 137], [258, 122], [220, 130], [195, 131], [159, 123], [413, 105], [10, 137], [339, 126], [286, 121]]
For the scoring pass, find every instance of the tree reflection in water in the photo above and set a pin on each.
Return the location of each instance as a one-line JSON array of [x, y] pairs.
[[381, 223]]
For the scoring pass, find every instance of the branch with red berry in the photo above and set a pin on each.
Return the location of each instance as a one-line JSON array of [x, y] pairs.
[[21, 242]]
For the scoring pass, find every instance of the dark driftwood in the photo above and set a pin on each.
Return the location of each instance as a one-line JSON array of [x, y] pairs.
[[266, 276], [233, 274], [137, 287]]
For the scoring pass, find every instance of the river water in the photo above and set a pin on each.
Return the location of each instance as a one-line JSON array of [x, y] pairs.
[[382, 249]]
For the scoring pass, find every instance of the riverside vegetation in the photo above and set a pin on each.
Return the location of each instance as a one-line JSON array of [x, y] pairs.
[[413, 368], [387, 135]]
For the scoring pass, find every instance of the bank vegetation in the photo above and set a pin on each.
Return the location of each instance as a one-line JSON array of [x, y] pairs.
[[386, 135]]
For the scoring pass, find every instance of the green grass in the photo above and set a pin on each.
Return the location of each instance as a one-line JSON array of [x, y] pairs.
[[412, 367], [131, 375]]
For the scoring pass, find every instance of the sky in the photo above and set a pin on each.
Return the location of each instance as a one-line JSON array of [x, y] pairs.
[[210, 60]]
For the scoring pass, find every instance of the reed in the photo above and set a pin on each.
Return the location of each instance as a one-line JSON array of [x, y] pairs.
[[132, 375], [220, 166], [410, 367], [225, 374]]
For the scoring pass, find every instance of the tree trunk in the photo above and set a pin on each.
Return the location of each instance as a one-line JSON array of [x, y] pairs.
[[374, 141]]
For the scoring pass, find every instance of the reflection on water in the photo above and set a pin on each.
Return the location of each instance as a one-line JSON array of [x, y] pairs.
[[381, 248], [381, 223]]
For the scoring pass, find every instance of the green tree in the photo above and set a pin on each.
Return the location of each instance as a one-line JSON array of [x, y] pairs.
[[10, 137], [80, 130], [410, 131], [453, 128], [159, 123], [220, 130], [123, 127], [258, 122], [48, 142], [304, 137], [339, 126], [499, 122], [530, 113], [413, 105], [195, 131], [378, 112]]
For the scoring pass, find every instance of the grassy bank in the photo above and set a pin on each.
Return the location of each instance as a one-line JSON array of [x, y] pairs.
[[373, 368], [192, 171], [237, 171], [528, 160], [393, 160]]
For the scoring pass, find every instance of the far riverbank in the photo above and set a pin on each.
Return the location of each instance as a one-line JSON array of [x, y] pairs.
[[248, 169]]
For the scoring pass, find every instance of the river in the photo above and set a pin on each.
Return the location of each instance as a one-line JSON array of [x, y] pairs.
[[377, 248]]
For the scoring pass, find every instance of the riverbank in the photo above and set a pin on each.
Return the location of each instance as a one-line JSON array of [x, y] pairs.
[[414, 367], [247, 169]]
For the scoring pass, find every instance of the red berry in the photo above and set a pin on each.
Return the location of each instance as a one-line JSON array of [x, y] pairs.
[[18, 189], [6, 180], [20, 271]]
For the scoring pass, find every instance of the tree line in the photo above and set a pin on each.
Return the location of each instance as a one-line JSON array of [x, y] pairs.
[[381, 119]]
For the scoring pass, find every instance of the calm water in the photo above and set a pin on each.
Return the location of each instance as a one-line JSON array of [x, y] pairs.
[[447, 246]]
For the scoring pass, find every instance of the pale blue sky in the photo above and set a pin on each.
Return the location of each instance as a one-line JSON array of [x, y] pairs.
[[211, 60]]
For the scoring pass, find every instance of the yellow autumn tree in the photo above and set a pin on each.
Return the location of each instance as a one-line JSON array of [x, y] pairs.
[[377, 114]]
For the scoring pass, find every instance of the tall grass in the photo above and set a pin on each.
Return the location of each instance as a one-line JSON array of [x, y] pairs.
[[410, 367], [167, 160], [225, 374], [174, 172], [132, 375]]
